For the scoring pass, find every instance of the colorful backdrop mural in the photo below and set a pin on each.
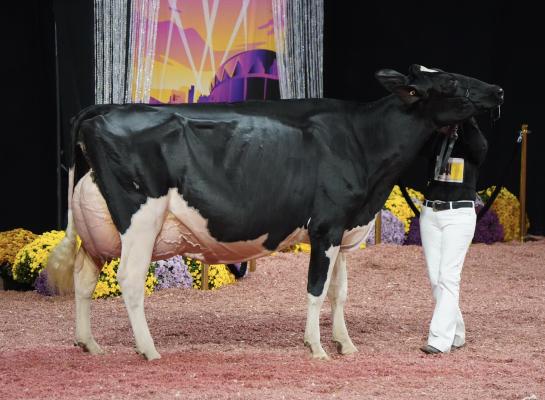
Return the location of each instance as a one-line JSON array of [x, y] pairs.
[[214, 50]]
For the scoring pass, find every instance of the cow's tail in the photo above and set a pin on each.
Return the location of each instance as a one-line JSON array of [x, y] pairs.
[[60, 264]]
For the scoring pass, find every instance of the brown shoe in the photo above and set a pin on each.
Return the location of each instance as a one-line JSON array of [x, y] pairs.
[[430, 349]]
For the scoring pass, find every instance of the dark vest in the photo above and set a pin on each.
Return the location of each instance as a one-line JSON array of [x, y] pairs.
[[458, 180]]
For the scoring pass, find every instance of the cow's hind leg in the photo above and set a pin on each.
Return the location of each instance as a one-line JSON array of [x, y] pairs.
[[322, 261], [85, 279], [337, 294], [136, 250]]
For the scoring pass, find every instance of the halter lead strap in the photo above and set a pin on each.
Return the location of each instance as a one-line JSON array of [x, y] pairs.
[[444, 154]]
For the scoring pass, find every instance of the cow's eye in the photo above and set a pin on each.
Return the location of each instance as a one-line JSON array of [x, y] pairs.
[[412, 93]]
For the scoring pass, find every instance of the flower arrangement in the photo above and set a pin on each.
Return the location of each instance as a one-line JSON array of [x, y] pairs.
[[31, 259], [41, 286], [507, 208], [413, 236], [398, 206], [299, 248], [173, 273], [218, 274], [488, 229], [11, 242], [108, 286], [392, 229]]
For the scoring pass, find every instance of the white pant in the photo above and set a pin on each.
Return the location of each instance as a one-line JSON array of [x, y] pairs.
[[446, 236]]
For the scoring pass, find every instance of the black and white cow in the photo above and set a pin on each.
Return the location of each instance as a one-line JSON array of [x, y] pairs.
[[232, 182]]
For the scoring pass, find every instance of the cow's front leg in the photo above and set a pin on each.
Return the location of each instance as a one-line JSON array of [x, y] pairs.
[[337, 294], [136, 251], [322, 260]]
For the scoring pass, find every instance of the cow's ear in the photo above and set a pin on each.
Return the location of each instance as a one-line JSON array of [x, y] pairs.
[[397, 83], [390, 79]]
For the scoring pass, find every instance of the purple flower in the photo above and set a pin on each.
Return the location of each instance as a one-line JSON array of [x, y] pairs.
[[413, 236], [172, 273], [392, 230], [41, 285], [488, 229]]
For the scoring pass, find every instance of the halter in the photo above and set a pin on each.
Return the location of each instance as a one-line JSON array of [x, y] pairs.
[[495, 113]]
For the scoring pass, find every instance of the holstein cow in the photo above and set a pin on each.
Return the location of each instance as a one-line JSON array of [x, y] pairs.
[[230, 182]]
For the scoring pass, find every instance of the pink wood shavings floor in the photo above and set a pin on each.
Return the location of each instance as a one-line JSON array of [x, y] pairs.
[[244, 341]]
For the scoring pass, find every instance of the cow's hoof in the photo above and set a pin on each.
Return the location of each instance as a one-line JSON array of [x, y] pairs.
[[152, 355], [149, 354], [317, 351], [346, 347], [322, 356], [91, 347]]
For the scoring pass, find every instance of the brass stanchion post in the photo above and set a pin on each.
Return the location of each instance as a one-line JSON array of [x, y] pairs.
[[204, 277], [378, 227], [522, 192]]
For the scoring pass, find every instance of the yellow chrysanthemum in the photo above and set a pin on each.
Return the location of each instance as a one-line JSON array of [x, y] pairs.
[[218, 274], [107, 285], [298, 248], [507, 208], [398, 206], [32, 258], [11, 242]]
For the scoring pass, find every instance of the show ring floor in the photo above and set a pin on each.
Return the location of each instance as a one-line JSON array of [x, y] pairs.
[[245, 341]]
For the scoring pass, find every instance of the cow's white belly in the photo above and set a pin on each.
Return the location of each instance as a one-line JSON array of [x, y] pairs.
[[184, 231]]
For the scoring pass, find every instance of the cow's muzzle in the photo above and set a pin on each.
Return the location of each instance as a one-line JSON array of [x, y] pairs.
[[499, 94]]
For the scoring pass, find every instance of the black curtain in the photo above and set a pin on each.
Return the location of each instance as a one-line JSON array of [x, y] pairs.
[[497, 43], [28, 138], [43, 92], [75, 37]]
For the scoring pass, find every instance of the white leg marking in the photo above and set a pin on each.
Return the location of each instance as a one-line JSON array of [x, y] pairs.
[[85, 280], [136, 251], [337, 294], [312, 330]]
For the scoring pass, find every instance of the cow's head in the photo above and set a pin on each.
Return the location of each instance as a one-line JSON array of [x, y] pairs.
[[446, 97]]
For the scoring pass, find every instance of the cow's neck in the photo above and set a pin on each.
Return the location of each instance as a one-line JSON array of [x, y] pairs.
[[390, 136]]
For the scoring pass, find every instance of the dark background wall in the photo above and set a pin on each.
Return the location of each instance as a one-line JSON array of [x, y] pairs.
[[28, 141], [498, 44], [29, 135]]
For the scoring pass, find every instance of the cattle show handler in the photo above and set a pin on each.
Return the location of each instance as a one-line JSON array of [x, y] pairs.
[[447, 226]]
